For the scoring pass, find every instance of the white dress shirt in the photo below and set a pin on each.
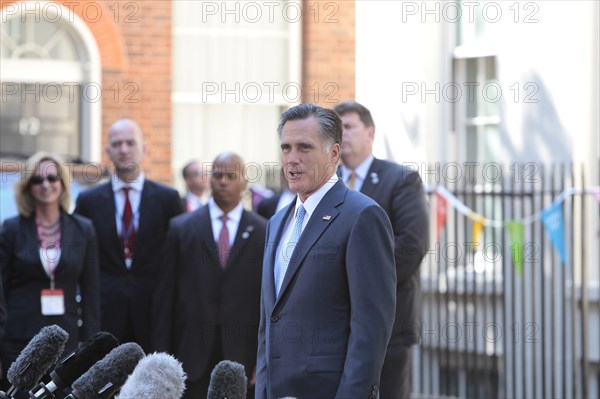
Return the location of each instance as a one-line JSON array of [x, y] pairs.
[[360, 173], [310, 205], [135, 197], [233, 220]]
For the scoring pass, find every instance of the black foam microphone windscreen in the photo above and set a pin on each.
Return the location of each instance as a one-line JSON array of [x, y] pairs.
[[228, 380], [36, 358], [108, 375], [157, 376], [78, 362]]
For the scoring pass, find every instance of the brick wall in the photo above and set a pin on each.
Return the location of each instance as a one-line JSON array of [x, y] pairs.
[[134, 39], [328, 51]]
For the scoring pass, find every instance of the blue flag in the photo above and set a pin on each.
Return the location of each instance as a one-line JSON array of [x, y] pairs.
[[552, 218]]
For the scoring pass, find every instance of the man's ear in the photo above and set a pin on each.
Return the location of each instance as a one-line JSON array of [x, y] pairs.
[[371, 132], [335, 152]]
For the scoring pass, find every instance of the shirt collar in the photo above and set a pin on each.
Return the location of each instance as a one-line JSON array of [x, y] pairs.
[[194, 197], [215, 212], [361, 170], [136, 185], [315, 198]]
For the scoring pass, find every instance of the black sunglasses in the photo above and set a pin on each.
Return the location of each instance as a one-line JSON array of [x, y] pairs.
[[35, 180]]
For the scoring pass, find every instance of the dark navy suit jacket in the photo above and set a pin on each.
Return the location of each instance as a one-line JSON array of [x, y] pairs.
[[399, 191], [326, 335], [198, 298]]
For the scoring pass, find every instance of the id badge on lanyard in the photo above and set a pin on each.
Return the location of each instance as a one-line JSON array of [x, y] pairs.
[[52, 299], [53, 302]]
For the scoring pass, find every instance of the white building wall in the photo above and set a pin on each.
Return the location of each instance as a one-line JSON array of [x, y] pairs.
[[547, 52]]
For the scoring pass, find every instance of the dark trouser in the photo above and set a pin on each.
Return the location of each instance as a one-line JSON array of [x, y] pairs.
[[198, 389], [395, 375]]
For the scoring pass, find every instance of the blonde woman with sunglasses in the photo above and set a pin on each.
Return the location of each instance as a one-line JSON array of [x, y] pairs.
[[48, 261]]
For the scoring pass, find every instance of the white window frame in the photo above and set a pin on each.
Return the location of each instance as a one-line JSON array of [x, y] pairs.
[[84, 72]]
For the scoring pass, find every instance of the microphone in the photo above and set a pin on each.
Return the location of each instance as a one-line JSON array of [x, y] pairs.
[[35, 359], [157, 376], [105, 377], [72, 366], [228, 380]]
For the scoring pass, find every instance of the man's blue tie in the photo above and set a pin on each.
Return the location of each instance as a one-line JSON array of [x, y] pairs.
[[288, 248]]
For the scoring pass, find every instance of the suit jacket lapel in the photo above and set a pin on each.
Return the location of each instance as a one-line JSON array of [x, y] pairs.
[[108, 211], [276, 225], [204, 223], [320, 220], [70, 239], [32, 242], [106, 230], [244, 230], [370, 182], [144, 209]]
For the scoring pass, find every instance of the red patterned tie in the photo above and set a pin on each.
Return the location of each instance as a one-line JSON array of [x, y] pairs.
[[128, 231], [223, 243]]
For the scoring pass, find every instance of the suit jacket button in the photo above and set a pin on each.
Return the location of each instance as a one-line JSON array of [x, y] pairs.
[[274, 319]]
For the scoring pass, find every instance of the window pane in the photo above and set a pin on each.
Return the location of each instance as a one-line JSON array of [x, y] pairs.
[[47, 118], [470, 84], [491, 90], [472, 144], [492, 144], [44, 31], [37, 40]]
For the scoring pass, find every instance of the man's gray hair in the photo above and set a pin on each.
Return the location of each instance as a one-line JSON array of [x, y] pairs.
[[330, 124]]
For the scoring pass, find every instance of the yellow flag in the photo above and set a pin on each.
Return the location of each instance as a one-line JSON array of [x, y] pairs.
[[477, 230]]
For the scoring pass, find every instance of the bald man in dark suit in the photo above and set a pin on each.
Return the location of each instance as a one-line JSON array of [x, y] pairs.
[[129, 255], [207, 306]]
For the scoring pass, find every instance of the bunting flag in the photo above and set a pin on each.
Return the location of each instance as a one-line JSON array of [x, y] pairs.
[[552, 218], [441, 212], [516, 235], [465, 210], [477, 229]]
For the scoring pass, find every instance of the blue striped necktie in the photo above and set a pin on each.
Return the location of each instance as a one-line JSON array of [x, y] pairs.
[[288, 248]]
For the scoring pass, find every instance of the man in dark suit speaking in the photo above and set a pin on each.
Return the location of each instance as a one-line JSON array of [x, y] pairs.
[[131, 215], [399, 191], [329, 281]]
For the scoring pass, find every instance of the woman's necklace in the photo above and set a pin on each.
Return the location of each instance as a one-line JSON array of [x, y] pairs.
[[49, 232], [49, 226]]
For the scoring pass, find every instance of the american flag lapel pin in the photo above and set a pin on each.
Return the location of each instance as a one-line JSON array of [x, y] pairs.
[[326, 217]]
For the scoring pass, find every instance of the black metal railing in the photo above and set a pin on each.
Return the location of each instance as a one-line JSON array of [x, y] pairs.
[[491, 329]]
